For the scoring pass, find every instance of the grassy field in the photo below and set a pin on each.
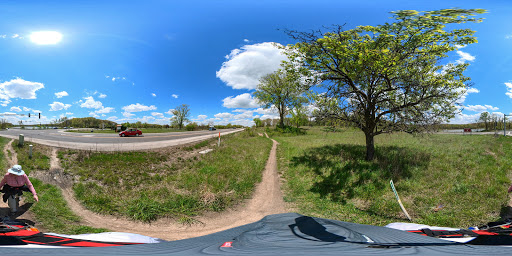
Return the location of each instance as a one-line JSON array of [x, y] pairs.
[[144, 130], [465, 176], [178, 183], [40, 156]]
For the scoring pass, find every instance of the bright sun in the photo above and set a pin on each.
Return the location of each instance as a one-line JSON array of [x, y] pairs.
[[46, 37]]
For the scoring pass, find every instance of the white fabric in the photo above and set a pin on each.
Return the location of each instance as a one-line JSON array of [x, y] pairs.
[[114, 237], [414, 226]]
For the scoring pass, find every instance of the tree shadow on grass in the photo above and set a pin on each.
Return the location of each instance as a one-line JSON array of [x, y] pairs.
[[342, 172]]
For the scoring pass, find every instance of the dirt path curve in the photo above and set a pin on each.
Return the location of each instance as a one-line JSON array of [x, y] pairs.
[[12, 158], [267, 199]]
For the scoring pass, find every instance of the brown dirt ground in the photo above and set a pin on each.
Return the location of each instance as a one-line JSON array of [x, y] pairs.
[[267, 199]]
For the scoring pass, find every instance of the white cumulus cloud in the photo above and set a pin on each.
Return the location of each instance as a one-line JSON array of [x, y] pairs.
[[16, 109], [104, 110], [57, 106], [509, 89], [464, 56], [175, 96], [465, 93], [473, 90], [154, 95], [91, 103], [241, 101], [170, 112], [157, 114], [224, 116], [244, 67], [61, 94], [102, 96], [128, 114], [138, 108], [480, 108], [18, 88]]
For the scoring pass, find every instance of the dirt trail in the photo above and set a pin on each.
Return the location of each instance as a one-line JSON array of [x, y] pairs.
[[267, 199], [13, 159]]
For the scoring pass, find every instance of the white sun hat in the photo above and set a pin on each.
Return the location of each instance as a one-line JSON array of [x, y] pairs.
[[16, 169]]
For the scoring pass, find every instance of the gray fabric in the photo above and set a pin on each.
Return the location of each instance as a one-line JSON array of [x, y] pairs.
[[290, 234]]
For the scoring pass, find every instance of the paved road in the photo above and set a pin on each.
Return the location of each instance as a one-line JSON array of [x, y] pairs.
[[111, 142], [461, 131]]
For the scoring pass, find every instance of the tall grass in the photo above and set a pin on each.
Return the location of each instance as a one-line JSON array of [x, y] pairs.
[[40, 156], [327, 176], [3, 160], [181, 184], [53, 213]]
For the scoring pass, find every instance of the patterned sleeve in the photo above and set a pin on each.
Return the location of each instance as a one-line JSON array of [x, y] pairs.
[[4, 180], [29, 184]]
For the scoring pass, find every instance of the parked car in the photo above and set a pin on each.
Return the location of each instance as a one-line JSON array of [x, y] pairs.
[[212, 129], [130, 132]]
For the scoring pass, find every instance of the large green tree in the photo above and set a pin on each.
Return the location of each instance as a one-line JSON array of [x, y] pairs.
[[281, 90], [486, 118], [258, 122], [181, 114], [389, 77]]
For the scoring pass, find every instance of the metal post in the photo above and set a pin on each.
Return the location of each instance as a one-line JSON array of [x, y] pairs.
[[219, 140], [30, 151], [20, 140], [504, 125]]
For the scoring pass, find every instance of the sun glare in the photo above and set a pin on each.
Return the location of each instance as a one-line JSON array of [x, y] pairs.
[[46, 37]]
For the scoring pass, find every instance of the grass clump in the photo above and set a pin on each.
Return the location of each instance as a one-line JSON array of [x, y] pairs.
[[3, 160], [40, 156], [327, 176], [199, 145], [52, 212], [287, 131], [148, 185]]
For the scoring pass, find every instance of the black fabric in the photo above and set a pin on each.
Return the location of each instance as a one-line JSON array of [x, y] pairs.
[[447, 233], [9, 191], [492, 240], [289, 234], [10, 240]]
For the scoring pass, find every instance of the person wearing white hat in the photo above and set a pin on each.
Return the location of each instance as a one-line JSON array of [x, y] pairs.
[[13, 184]]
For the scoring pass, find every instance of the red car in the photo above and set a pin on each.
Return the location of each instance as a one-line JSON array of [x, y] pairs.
[[130, 132]]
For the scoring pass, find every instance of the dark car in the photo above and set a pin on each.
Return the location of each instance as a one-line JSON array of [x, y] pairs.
[[130, 132], [212, 129]]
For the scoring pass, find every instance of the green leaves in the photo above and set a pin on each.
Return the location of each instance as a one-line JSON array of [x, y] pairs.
[[389, 77], [282, 90]]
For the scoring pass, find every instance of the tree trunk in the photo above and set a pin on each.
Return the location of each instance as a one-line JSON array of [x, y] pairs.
[[281, 121], [370, 146]]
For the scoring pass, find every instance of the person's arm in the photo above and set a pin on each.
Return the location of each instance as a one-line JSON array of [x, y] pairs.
[[31, 187], [4, 180]]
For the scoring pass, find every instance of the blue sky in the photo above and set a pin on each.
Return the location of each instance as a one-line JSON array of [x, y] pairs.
[[137, 60]]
